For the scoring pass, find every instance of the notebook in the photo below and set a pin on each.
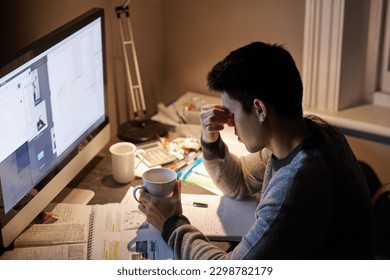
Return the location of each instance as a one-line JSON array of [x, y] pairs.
[[119, 231], [103, 231], [220, 218]]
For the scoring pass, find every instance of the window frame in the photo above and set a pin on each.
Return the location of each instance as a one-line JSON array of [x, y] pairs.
[[323, 54], [358, 108]]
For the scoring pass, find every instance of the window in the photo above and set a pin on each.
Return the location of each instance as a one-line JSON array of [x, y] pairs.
[[342, 65]]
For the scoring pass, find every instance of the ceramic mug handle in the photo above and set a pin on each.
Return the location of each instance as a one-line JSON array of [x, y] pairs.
[[135, 192]]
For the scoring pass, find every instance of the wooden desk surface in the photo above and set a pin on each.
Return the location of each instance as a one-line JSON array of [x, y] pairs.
[[97, 176]]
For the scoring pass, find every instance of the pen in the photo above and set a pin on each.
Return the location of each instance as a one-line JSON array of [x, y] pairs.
[[200, 204], [196, 163], [181, 166]]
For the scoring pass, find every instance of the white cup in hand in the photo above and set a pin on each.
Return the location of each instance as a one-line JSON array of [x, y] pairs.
[[157, 182], [122, 161]]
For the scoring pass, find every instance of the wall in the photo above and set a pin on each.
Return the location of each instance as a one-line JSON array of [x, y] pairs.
[[377, 155], [200, 33], [24, 21]]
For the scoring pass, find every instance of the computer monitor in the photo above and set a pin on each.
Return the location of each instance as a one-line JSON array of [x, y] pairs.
[[52, 118]]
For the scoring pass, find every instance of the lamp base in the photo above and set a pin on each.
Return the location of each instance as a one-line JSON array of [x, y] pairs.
[[142, 131]]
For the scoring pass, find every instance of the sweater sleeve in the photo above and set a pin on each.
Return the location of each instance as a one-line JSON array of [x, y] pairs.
[[237, 177], [171, 224], [187, 242]]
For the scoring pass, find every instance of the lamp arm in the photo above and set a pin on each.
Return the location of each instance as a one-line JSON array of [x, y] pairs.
[[136, 90]]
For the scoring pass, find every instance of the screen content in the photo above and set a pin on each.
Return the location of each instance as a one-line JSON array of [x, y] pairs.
[[47, 105]]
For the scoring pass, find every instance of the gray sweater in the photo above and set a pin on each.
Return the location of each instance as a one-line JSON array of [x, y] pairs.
[[314, 203]]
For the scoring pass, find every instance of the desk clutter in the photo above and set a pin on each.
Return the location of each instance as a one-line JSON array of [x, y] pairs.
[[184, 156], [119, 231], [185, 110]]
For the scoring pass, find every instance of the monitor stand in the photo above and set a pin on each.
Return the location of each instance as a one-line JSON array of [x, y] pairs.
[[78, 196]]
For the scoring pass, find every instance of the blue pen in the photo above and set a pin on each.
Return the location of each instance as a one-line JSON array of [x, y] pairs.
[[196, 163]]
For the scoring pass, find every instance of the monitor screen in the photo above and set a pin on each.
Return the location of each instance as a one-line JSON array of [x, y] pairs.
[[52, 98]]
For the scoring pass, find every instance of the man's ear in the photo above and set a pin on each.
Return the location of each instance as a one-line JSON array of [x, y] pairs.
[[260, 109]]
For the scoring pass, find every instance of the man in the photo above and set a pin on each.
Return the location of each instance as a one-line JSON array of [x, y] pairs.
[[314, 200]]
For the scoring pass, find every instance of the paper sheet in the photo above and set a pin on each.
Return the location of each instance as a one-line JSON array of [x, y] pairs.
[[55, 252], [121, 232], [223, 218], [70, 213]]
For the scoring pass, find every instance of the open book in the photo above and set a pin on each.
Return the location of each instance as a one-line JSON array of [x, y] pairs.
[[108, 231], [119, 231], [65, 239]]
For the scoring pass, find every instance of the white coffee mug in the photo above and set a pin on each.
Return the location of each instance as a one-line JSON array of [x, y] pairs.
[[122, 161], [158, 182]]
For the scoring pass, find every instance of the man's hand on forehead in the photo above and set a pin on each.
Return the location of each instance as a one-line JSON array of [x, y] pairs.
[[213, 118]]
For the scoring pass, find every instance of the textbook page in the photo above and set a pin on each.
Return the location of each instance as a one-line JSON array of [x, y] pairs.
[[62, 224], [121, 232], [55, 252], [52, 234], [219, 218], [69, 213]]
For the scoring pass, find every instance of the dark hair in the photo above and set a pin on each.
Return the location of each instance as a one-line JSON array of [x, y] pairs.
[[260, 70]]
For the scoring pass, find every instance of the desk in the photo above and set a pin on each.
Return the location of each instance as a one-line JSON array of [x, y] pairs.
[[97, 176]]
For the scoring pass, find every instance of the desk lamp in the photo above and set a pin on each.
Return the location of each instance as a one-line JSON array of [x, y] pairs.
[[140, 129]]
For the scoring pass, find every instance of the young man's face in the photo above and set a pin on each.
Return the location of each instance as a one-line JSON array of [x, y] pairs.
[[246, 125]]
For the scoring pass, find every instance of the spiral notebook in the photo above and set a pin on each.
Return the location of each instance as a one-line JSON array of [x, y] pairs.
[[107, 231], [61, 234], [119, 231]]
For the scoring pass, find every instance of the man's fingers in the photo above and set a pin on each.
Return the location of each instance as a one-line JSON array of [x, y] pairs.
[[177, 190], [214, 128], [211, 106], [143, 209]]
